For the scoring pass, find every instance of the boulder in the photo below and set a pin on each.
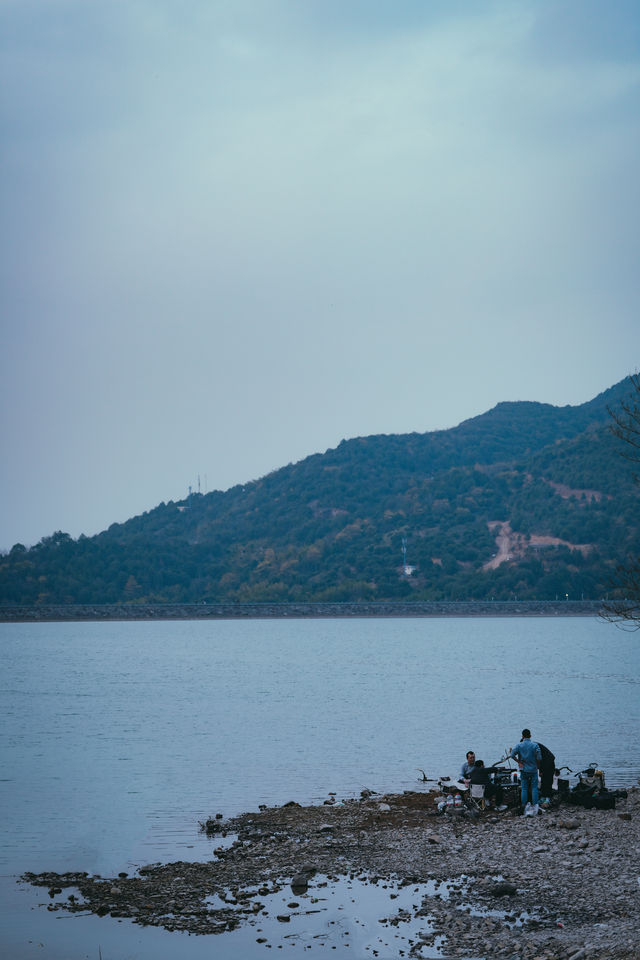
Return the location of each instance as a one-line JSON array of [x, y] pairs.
[[503, 889]]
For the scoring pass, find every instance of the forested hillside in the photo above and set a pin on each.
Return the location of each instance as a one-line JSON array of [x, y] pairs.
[[526, 501]]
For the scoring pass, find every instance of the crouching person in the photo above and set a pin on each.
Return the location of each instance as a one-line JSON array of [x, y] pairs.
[[482, 775]]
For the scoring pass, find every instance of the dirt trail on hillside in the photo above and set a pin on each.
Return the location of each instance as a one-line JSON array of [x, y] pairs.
[[504, 542], [512, 544]]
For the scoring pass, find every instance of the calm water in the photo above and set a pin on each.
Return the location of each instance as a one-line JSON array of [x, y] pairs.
[[119, 737]]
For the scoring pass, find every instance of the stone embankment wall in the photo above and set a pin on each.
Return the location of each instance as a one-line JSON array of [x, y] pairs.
[[225, 611]]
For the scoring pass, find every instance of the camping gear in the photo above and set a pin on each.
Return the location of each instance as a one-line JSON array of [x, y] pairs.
[[592, 778], [590, 790], [605, 801]]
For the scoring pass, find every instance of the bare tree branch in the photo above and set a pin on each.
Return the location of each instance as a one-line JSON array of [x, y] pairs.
[[626, 607]]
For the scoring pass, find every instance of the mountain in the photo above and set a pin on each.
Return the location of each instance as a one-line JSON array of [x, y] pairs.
[[527, 500]]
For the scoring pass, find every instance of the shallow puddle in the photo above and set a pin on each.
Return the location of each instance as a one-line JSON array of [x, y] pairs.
[[352, 914]]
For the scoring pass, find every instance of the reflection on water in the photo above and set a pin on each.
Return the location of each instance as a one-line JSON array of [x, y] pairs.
[[372, 918], [120, 737]]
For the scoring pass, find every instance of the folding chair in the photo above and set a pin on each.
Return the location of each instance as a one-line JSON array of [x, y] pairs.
[[477, 794]]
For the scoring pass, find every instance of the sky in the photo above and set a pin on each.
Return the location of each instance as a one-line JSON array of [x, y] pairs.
[[235, 232]]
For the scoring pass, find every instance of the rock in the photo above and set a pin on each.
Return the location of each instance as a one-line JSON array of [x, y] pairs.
[[503, 888], [284, 918], [624, 816], [300, 883], [212, 826], [571, 824], [384, 807]]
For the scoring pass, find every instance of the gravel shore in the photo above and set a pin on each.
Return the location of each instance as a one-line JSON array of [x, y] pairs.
[[564, 884]]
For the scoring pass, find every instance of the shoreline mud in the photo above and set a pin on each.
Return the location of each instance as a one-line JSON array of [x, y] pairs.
[[564, 885]]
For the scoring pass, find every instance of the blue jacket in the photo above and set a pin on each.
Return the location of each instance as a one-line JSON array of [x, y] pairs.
[[528, 753]]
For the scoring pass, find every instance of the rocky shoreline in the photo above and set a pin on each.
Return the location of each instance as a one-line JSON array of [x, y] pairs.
[[564, 884]]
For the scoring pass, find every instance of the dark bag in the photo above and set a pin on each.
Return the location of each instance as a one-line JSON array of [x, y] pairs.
[[591, 800], [605, 801]]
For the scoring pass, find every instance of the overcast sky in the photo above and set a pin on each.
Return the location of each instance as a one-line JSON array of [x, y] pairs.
[[234, 232]]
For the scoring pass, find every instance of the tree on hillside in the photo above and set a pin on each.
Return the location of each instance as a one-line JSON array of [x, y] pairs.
[[626, 427]]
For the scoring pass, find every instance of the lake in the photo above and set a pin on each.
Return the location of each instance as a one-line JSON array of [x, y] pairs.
[[119, 737]]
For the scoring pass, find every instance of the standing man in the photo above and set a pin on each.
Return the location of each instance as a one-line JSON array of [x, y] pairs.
[[529, 757]]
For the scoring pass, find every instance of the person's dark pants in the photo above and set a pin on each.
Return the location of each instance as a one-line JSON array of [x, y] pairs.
[[546, 780], [494, 791]]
